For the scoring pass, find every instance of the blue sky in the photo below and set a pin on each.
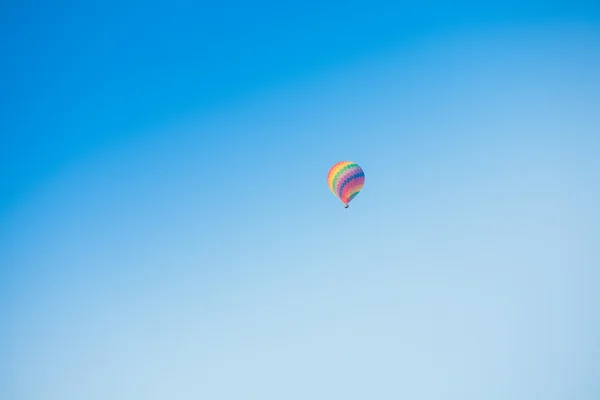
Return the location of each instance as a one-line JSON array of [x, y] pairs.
[[166, 230]]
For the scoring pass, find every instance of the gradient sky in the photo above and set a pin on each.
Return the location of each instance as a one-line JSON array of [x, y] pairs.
[[166, 231]]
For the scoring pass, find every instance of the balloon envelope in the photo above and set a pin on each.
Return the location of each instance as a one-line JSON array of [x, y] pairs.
[[346, 179]]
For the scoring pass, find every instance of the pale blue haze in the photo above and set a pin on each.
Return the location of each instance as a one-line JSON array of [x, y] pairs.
[[166, 231]]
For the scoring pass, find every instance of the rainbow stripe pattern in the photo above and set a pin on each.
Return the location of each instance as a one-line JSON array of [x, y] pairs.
[[346, 179]]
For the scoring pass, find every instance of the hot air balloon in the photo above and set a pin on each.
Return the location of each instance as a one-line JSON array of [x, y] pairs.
[[346, 179]]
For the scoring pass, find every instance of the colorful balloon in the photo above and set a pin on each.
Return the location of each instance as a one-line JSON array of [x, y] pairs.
[[346, 179]]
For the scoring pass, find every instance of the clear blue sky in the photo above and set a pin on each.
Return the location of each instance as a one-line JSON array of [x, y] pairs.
[[166, 231]]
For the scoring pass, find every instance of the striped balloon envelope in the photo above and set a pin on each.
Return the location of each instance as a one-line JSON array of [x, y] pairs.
[[346, 179]]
